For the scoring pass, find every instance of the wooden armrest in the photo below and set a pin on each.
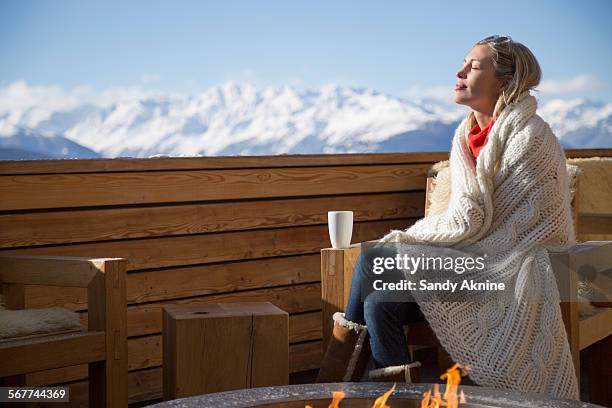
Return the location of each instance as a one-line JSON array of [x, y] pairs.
[[593, 245], [588, 246], [596, 259], [592, 261], [51, 351], [50, 270], [595, 328]]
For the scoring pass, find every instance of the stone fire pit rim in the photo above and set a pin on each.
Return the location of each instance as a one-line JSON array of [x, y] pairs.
[[253, 397]]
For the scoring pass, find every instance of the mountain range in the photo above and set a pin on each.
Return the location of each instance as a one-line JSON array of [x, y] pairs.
[[243, 119]]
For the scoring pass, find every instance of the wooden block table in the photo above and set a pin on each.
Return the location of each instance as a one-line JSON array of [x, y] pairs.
[[224, 346]]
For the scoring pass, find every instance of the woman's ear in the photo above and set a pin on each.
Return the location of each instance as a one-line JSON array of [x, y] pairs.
[[504, 83]]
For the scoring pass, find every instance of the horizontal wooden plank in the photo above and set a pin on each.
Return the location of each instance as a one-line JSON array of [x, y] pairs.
[[208, 248], [100, 189], [143, 385], [49, 270], [305, 356], [580, 153], [305, 326], [72, 226], [8, 167], [222, 278], [596, 327], [146, 319], [595, 223], [174, 283], [23, 356], [57, 375], [146, 352]]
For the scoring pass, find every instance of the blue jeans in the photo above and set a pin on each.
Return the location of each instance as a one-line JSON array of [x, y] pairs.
[[385, 320]]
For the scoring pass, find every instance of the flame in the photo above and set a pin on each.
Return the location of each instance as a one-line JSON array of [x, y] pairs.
[[431, 399], [450, 398], [426, 399], [381, 402], [337, 397]]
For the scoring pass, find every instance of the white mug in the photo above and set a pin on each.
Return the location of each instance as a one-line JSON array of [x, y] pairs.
[[340, 224]]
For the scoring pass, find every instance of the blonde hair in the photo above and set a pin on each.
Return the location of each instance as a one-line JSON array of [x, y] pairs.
[[516, 66]]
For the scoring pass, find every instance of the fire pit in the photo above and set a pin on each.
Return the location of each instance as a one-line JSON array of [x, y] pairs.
[[363, 395]]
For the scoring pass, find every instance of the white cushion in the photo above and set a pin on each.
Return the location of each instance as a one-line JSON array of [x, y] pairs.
[[18, 323]]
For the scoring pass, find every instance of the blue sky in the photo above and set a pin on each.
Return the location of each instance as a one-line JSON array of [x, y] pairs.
[[392, 46]]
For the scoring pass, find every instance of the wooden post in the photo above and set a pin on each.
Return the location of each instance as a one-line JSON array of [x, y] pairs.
[[336, 275], [221, 347], [107, 311]]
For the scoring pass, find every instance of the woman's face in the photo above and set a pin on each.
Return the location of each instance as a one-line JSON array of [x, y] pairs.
[[477, 86]]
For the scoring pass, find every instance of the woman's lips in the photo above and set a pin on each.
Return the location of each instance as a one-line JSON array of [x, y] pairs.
[[460, 88]]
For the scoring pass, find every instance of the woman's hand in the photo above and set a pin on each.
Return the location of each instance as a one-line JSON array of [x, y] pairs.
[[395, 236]]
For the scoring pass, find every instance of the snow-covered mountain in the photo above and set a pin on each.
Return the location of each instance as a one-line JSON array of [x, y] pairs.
[[25, 144], [579, 123], [240, 118]]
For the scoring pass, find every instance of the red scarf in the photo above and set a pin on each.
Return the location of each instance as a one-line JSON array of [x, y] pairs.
[[478, 138]]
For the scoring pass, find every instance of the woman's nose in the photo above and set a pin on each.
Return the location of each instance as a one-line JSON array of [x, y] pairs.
[[461, 73]]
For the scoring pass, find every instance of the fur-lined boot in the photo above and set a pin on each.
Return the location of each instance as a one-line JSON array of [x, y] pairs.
[[347, 352], [407, 373]]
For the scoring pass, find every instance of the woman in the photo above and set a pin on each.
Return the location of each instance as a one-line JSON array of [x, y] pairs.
[[509, 201]]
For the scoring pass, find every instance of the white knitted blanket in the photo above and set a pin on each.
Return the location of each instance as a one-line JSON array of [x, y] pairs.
[[513, 205]]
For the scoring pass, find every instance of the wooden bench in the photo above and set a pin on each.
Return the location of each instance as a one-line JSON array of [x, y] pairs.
[[103, 346]]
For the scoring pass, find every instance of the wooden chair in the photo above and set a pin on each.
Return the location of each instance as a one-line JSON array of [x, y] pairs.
[[103, 346], [590, 334], [337, 267]]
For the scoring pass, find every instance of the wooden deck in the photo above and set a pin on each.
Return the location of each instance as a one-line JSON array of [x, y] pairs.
[[200, 230]]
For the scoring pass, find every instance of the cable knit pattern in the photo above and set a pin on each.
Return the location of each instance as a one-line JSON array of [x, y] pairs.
[[512, 204]]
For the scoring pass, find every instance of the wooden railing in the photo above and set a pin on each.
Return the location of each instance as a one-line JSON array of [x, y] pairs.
[[199, 230]]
